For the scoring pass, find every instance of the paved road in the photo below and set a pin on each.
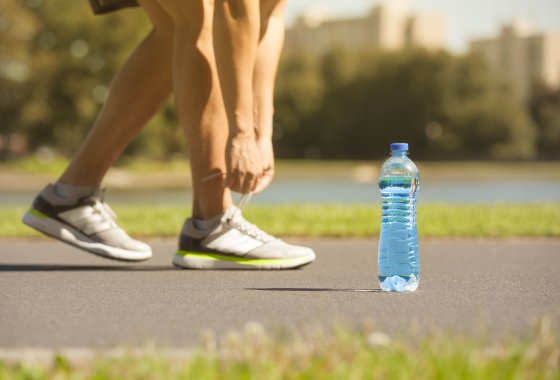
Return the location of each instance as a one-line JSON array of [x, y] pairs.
[[54, 296]]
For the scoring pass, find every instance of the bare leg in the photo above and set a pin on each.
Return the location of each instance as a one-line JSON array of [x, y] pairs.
[[202, 114], [268, 58], [137, 93], [199, 103], [236, 33]]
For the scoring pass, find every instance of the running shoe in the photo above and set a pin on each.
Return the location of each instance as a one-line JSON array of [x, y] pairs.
[[235, 243], [89, 224]]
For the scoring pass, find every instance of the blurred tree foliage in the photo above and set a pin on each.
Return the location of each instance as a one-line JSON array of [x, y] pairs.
[[545, 108], [57, 61], [447, 107]]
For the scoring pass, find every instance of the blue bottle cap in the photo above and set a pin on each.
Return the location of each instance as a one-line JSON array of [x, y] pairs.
[[399, 146]]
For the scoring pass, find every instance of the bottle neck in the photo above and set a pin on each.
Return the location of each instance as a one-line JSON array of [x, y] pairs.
[[399, 153]]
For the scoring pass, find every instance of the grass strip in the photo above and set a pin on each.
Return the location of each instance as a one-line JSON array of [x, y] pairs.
[[338, 220], [340, 354]]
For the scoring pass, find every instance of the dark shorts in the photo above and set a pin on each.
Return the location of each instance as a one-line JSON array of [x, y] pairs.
[[106, 6]]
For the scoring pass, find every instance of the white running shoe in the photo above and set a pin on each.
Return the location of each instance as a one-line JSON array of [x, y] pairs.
[[236, 243], [89, 224]]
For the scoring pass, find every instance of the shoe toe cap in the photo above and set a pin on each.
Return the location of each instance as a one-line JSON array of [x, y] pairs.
[[280, 250], [137, 246]]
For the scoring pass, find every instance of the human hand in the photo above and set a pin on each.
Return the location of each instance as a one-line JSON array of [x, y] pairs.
[[267, 155], [243, 163]]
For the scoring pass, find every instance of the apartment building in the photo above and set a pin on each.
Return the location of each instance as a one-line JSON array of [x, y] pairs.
[[390, 25], [524, 56]]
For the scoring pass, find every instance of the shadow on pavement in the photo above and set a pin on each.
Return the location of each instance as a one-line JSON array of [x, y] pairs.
[[316, 290], [80, 268]]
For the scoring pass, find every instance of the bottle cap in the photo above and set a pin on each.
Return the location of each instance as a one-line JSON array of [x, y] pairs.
[[399, 146]]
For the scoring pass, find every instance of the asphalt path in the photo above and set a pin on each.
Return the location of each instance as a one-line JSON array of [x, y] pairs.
[[54, 296]]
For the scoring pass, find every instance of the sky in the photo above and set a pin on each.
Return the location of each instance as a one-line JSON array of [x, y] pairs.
[[465, 19]]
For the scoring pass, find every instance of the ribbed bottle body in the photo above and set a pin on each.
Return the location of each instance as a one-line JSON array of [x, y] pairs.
[[398, 255], [399, 267]]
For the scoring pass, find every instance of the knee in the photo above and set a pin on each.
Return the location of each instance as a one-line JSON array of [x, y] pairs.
[[193, 22]]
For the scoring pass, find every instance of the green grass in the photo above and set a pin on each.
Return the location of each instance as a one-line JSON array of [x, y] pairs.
[[434, 220], [338, 354]]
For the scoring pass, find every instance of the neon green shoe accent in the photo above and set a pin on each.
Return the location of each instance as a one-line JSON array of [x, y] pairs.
[[38, 214], [235, 259]]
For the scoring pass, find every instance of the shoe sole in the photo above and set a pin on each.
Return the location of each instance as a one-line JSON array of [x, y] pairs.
[[197, 260], [55, 229]]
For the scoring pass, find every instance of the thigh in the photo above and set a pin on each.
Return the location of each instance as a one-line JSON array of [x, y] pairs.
[[190, 12], [158, 15]]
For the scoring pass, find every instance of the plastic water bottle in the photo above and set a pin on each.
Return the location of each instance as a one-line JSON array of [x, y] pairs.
[[399, 266]]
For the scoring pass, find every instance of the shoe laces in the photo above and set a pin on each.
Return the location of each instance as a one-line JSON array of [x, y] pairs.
[[246, 227], [102, 209], [237, 221]]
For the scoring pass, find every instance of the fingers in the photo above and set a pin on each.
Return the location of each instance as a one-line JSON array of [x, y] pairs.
[[248, 183], [243, 183], [244, 164], [263, 182]]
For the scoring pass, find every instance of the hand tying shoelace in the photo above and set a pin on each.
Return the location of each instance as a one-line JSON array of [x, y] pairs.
[[243, 201]]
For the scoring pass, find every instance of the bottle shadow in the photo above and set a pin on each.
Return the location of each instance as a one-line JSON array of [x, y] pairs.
[[316, 290]]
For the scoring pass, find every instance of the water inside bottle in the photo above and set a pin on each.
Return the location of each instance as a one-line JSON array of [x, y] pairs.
[[398, 247]]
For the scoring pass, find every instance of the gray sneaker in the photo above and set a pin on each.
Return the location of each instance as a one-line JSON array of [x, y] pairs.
[[236, 243], [89, 224]]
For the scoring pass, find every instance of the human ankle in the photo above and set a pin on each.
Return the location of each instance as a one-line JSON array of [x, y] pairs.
[[208, 224], [73, 192]]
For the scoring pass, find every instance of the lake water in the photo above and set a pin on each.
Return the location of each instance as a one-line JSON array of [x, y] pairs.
[[344, 192]]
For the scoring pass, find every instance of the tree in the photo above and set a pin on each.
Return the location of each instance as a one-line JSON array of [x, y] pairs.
[[445, 106], [299, 92], [75, 55], [69, 57], [545, 108], [17, 27]]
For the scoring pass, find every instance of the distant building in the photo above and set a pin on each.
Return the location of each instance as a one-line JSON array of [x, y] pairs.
[[523, 56], [389, 25]]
